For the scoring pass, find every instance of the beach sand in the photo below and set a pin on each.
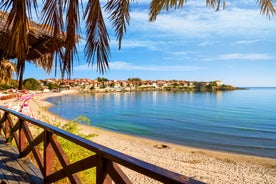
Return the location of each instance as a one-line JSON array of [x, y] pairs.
[[204, 165]]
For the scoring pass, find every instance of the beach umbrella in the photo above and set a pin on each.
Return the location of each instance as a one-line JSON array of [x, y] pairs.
[[42, 45], [40, 40]]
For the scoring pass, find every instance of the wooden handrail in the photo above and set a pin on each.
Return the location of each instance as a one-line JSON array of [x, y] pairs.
[[105, 159]]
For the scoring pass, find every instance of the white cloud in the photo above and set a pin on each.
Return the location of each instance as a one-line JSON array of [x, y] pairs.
[[238, 56], [119, 65], [128, 43], [253, 56], [202, 22], [183, 53], [128, 66], [246, 42], [202, 44]]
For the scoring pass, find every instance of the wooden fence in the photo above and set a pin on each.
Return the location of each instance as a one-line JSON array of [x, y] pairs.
[[106, 161]]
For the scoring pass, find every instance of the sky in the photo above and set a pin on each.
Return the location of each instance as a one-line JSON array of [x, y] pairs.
[[195, 43]]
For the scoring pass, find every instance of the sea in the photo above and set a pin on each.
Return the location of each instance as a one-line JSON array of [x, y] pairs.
[[237, 121]]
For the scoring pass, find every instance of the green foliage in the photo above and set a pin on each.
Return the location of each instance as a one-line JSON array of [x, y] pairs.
[[71, 127], [10, 85], [31, 84], [14, 83], [76, 152], [134, 79], [103, 86], [52, 86], [102, 79], [112, 85], [4, 86], [82, 120]]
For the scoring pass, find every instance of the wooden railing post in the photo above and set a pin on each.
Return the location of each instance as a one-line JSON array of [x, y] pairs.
[[22, 137], [101, 172], [7, 128], [99, 169], [48, 154]]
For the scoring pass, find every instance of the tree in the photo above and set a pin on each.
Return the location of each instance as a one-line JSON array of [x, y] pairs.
[[102, 79], [134, 79], [52, 86], [65, 15], [31, 84]]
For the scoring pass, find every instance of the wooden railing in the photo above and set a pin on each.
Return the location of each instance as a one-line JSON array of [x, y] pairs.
[[106, 161]]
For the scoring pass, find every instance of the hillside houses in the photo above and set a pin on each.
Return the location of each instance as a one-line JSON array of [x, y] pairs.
[[106, 85]]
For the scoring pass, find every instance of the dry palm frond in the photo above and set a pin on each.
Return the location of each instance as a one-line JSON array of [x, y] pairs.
[[72, 20], [267, 7], [157, 6], [97, 37], [45, 62], [7, 68], [119, 15], [216, 4], [52, 18], [17, 24]]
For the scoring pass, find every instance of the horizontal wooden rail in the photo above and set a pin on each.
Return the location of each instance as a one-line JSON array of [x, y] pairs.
[[16, 126]]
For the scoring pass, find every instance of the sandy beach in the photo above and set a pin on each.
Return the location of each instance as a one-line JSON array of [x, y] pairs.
[[204, 165]]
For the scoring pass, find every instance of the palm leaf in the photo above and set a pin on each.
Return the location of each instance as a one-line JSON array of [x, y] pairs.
[[267, 7], [97, 37], [45, 62], [157, 6], [72, 20], [119, 15], [52, 18]]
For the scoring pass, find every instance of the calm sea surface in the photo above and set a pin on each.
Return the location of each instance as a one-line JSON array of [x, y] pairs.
[[241, 121]]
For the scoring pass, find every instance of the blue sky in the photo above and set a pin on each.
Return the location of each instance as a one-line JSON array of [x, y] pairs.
[[236, 46]]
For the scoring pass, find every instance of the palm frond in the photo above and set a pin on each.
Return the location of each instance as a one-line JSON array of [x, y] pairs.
[[45, 62], [97, 37], [72, 20], [216, 4], [267, 7], [157, 6], [119, 15], [17, 25], [52, 18], [18, 22], [7, 69]]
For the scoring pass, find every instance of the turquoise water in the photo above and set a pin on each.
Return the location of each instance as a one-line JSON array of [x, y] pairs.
[[240, 121]]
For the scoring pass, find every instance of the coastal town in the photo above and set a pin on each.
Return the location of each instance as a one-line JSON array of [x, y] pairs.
[[131, 84], [134, 84]]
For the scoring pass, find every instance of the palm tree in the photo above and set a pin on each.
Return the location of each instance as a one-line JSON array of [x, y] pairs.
[[65, 15], [7, 69]]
